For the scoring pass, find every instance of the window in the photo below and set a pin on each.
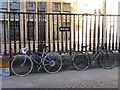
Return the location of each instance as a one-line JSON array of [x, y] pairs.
[[14, 30], [31, 7], [56, 7], [30, 30], [3, 7], [66, 7], [41, 7], [3, 4], [14, 7]]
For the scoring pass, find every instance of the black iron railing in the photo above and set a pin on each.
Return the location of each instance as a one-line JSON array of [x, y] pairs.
[[31, 29]]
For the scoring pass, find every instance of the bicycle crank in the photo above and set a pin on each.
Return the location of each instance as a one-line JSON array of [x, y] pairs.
[[52, 63], [39, 68], [93, 62]]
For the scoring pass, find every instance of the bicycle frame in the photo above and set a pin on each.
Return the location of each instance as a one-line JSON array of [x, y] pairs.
[[95, 56], [32, 55]]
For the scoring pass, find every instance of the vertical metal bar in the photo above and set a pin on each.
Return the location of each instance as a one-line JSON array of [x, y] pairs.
[[19, 33], [38, 32], [49, 32], [110, 35], [116, 37], [5, 47], [57, 34], [113, 33], [74, 32], [86, 31], [102, 30], [24, 30], [116, 42], [78, 33], [70, 32], [106, 38], [94, 37], [53, 34], [28, 32], [66, 33], [34, 33], [44, 29], [105, 32], [10, 46], [82, 32], [98, 31], [62, 33], [90, 33], [119, 44], [14, 33], [119, 41]]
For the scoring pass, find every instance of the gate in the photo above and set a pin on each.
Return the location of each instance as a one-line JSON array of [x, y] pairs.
[[61, 32]]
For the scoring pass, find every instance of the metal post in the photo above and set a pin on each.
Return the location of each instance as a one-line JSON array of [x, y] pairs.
[[104, 21]]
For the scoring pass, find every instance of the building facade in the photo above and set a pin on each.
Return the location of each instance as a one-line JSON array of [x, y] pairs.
[[39, 20]]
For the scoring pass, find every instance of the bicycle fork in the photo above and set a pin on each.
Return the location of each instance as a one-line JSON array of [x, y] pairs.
[[24, 61]]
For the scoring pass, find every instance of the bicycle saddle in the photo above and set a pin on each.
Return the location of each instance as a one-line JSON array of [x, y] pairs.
[[85, 46], [43, 46]]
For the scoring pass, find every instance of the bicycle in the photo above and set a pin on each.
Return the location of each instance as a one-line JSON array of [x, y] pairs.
[[105, 58], [22, 64]]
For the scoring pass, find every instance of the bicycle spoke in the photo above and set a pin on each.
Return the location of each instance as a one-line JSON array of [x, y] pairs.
[[21, 66], [80, 62], [55, 63], [108, 60]]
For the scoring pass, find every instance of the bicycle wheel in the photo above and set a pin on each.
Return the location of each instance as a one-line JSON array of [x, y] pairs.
[[52, 62], [108, 60], [21, 65], [80, 62]]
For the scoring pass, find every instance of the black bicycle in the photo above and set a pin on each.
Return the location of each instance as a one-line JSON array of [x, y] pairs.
[[22, 64], [105, 58]]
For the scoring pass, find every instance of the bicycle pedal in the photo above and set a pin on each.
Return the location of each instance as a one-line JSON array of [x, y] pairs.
[[39, 68], [93, 62]]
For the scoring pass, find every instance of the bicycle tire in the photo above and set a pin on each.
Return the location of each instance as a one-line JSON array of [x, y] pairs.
[[20, 69], [52, 62], [80, 62], [108, 60]]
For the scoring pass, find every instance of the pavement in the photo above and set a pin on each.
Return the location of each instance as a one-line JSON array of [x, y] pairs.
[[91, 78]]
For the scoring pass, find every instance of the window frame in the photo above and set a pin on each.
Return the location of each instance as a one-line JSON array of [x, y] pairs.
[[3, 8], [39, 7], [64, 7], [54, 7]]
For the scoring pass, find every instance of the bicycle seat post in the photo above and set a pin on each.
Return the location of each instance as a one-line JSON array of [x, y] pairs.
[[43, 51]]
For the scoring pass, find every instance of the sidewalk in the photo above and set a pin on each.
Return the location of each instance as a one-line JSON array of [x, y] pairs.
[[91, 78]]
